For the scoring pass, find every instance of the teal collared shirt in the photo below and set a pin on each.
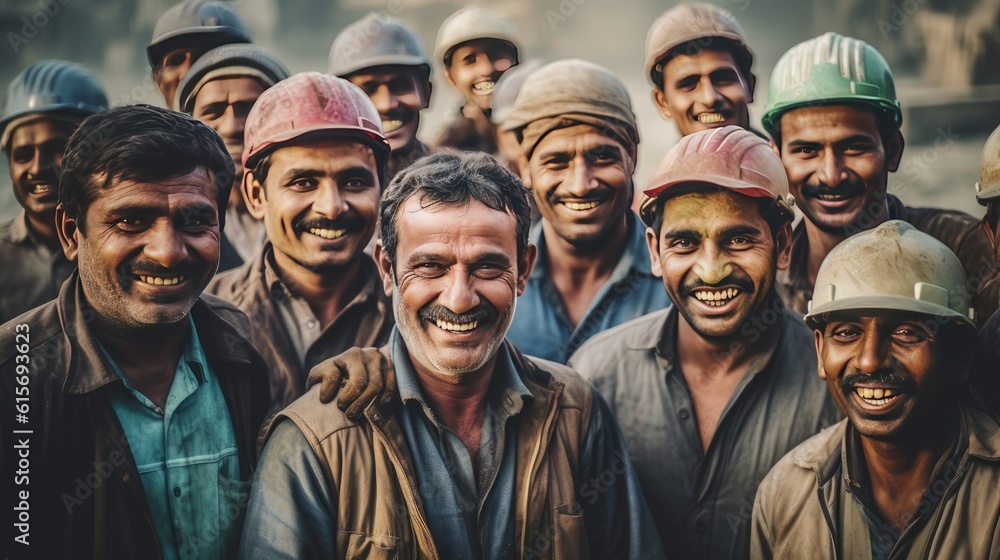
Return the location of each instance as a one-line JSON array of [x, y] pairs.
[[187, 458]]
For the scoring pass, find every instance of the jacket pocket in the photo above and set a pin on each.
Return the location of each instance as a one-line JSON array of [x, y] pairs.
[[570, 534], [376, 547]]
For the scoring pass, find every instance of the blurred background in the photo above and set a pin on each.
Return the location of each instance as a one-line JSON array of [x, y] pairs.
[[944, 55]]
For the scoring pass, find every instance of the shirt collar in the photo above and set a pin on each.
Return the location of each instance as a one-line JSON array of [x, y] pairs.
[[368, 269], [20, 232], [193, 354], [506, 387], [634, 259]]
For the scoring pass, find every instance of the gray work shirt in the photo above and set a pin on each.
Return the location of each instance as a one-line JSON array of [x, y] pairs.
[[32, 272], [541, 325], [702, 501], [470, 505]]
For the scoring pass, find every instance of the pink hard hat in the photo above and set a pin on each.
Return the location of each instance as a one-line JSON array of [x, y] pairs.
[[312, 103], [729, 157]]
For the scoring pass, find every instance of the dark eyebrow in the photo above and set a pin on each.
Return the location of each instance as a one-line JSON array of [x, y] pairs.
[[496, 257], [213, 108], [676, 233], [739, 230]]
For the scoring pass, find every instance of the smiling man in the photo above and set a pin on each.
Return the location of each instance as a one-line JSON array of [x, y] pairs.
[[143, 400], [834, 119], [313, 170], [913, 470], [476, 47], [183, 34], [579, 136], [714, 390], [44, 105], [219, 90], [484, 453], [383, 57], [698, 62]]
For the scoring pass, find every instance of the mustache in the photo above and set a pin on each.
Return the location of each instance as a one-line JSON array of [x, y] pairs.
[[349, 221], [484, 312], [185, 268], [885, 378], [404, 114], [744, 285], [850, 187]]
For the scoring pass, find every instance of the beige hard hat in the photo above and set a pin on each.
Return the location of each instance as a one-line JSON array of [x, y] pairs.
[[688, 22], [730, 157], [469, 24], [988, 186], [894, 266]]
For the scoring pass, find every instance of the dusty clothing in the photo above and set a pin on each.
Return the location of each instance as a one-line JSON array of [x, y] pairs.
[[467, 135], [803, 508], [32, 273], [541, 325], [959, 231], [86, 497], [984, 371], [331, 487], [701, 501], [399, 161], [245, 234], [286, 333]]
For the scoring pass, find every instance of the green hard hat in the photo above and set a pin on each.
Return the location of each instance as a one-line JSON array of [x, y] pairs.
[[830, 70]]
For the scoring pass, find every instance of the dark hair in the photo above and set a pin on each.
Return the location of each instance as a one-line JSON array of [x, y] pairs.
[[694, 48], [452, 179], [139, 143]]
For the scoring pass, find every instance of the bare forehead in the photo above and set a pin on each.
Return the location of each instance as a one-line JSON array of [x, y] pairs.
[[41, 130], [828, 121], [711, 211], [580, 137], [419, 218], [325, 153], [223, 88], [196, 187], [382, 74], [708, 59]]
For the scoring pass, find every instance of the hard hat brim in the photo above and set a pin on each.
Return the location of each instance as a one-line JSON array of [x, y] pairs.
[[379, 144], [816, 318]]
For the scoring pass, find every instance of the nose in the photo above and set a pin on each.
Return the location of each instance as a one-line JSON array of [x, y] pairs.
[[873, 356], [165, 245], [460, 294], [231, 125], [328, 202], [384, 100], [581, 179], [831, 170], [707, 94], [712, 265]]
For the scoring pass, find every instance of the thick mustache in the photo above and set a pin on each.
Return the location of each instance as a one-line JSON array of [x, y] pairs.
[[742, 284], [883, 378], [399, 114], [484, 312], [344, 221], [850, 188]]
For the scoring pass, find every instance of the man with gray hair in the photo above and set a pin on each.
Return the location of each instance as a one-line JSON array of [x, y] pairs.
[[576, 127]]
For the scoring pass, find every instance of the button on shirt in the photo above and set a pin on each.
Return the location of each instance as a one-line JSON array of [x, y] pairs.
[[702, 501], [32, 271], [187, 458], [541, 326], [470, 505]]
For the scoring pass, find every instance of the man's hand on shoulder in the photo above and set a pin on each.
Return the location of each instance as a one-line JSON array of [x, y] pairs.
[[366, 374]]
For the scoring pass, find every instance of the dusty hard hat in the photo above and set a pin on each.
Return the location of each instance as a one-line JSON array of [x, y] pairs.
[[473, 23], [729, 157], [830, 70], [689, 22], [212, 21], [894, 266], [376, 41], [51, 86], [228, 61], [312, 103], [988, 186]]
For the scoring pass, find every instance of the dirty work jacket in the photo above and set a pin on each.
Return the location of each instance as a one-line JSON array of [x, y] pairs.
[[86, 498]]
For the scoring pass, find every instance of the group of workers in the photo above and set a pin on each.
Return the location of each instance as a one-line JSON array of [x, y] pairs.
[[268, 321]]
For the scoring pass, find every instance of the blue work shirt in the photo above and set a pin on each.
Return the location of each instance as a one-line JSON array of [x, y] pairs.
[[472, 504], [187, 458], [541, 325]]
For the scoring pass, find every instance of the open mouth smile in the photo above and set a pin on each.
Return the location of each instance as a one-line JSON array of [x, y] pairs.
[[877, 397], [328, 233], [389, 125], [582, 206], [160, 280], [711, 118], [484, 88], [714, 297], [456, 327]]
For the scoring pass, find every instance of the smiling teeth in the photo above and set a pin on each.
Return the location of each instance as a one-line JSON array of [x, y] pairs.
[[485, 87], [830, 197], [716, 298], [581, 205], [456, 327], [327, 233], [41, 189], [710, 118], [158, 281], [390, 125], [876, 397]]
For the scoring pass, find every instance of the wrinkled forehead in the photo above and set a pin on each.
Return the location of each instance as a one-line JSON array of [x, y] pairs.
[[709, 208]]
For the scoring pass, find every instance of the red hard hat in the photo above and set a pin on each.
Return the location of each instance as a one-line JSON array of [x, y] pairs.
[[309, 103], [729, 157]]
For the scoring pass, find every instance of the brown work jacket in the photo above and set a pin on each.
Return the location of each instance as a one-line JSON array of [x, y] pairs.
[[86, 498], [798, 503], [369, 465], [365, 322]]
